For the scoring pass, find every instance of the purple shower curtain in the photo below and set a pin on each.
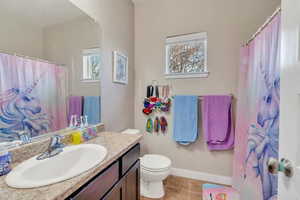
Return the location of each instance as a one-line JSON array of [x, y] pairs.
[[257, 127], [32, 97]]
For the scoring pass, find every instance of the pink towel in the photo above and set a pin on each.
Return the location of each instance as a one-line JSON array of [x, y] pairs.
[[217, 122], [75, 106]]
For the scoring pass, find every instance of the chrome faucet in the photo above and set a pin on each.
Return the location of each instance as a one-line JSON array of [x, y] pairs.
[[55, 147]]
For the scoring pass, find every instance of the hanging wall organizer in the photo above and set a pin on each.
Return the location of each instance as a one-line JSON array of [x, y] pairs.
[[157, 101]]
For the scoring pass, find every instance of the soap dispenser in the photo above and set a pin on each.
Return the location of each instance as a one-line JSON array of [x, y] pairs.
[[24, 137]]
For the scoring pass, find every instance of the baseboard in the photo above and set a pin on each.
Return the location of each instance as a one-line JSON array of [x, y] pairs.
[[201, 176]]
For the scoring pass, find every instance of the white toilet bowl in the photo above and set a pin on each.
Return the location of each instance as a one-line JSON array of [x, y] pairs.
[[154, 169]]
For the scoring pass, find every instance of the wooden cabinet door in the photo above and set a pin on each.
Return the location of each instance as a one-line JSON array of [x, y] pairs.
[[100, 184], [117, 193], [129, 186], [132, 183]]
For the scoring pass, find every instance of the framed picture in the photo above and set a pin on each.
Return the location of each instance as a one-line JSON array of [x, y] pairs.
[[186, 56], [120, 68]]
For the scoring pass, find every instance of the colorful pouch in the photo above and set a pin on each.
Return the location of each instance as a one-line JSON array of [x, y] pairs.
[[163, 124], [156, 125], [149, 125]]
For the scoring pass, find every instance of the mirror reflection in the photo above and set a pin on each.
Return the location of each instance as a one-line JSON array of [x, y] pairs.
[[50, 67]]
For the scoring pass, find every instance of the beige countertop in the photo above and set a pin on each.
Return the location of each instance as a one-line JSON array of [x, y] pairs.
[[116, 144]]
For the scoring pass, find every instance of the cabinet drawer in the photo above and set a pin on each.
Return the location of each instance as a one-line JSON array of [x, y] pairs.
[[100, 185], [130, 158]]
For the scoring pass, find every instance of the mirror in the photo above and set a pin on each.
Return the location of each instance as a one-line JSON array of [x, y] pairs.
[[50, 67]]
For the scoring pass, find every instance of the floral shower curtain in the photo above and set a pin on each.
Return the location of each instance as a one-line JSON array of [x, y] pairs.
[[257, 128], [32, 97]]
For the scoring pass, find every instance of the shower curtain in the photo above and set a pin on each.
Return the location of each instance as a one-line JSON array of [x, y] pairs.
[[257, 127], [32, 97]]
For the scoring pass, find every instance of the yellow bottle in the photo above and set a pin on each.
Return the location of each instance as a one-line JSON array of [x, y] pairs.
[[76, 137]]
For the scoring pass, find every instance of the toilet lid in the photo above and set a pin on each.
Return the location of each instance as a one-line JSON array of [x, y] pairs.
[[153, 162]]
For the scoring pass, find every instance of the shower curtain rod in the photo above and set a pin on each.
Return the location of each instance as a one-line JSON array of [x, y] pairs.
[[260, 29], [31, 58]]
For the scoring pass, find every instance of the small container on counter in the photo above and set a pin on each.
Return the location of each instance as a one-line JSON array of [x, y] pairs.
[[92, 131], [76, 137]]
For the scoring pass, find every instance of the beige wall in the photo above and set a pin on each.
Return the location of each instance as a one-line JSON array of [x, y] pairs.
[[117, 23], [17, 36], [64, 43], [228, 24]]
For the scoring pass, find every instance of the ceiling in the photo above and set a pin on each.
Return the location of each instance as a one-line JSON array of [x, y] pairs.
[[41, 13]]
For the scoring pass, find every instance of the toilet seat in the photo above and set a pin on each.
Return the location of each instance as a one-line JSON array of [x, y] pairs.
[[155, 163], [154, 170]]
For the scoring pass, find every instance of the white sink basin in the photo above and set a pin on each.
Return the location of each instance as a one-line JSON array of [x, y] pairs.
[[73, 161]]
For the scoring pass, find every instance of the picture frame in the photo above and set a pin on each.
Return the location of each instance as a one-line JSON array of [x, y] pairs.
[[120, 68], [186, 56]]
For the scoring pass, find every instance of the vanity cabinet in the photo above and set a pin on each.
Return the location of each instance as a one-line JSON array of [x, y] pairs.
[[129, 186], [119, 181], [117, 193], [132, 183]]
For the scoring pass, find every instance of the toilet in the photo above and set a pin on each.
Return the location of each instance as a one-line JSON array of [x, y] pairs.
[[154, 169]]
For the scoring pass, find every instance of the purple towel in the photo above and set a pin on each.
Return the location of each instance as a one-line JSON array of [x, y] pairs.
[[75, 106], [217, 122]]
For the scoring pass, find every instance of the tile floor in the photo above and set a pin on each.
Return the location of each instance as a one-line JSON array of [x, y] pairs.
[[178, 188]]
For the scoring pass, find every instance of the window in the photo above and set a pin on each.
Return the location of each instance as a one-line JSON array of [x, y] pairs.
[[91, 64]]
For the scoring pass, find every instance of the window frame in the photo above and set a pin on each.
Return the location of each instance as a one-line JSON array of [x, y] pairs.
[[87, 52], [184, 39]]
